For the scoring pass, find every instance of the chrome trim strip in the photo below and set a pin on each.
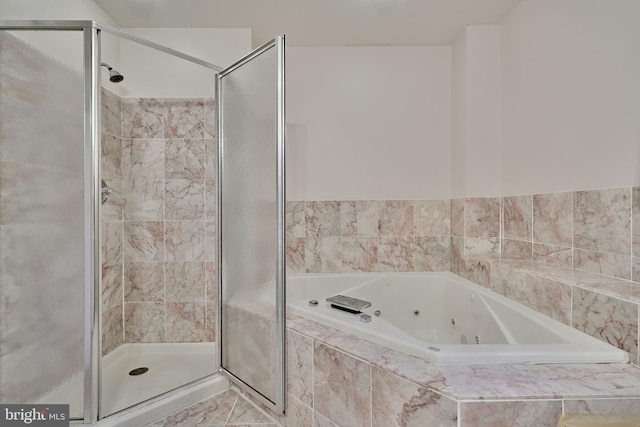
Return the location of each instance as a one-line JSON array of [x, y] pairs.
[[281, 303], [220, 165], [161, 48], [92, 221], [81, 25], [248, 57]]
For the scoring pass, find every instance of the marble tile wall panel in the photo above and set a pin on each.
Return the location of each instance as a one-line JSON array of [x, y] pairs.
[[517, 249], [510, 414], [144, 322], [610, 319], [366, 236], [184, 118], [549, 297], [300, 367], [457, 217], [602, 220], [144, 282], [359, 218], [298, 414], [396, 401], [168, 172], [111, 109], [553, 219], [482, 217], [603, 406], [341, 387], [607, 264], [557, 256], [518, 218]]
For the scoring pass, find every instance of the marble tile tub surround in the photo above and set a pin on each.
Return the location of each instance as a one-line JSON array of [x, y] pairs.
[[159, 156], [336, 379]]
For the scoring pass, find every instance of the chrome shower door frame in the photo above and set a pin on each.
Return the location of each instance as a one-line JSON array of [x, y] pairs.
[[279, 405], [92, 187]]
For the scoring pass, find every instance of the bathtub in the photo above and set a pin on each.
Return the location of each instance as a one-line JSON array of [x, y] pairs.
[[444, 318]]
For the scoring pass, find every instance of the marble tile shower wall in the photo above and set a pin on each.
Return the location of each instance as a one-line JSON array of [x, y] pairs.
[[159, 225], [367, 236]]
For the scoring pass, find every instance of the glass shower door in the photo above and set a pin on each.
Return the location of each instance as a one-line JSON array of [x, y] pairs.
[[41, 218], [251, 270]]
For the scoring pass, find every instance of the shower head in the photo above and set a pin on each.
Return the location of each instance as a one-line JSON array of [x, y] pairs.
[[114, 75]]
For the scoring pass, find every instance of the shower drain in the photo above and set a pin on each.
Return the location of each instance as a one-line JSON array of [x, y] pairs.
[[138, 371]]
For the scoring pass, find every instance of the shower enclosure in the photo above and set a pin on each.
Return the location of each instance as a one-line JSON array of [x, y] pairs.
[[141, 259]]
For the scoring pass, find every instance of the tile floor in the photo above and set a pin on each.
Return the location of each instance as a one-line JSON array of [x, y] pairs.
[[225, 409]]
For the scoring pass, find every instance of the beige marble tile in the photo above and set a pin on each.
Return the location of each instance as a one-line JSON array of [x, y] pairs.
[[609, 319], [111, 251], [212, 411], [142, 158], [211, 158], [211, 240], [608, 264], [396, 401], [183, 118], [113, 208], [295, 219], [457, 217], [111, 110], [298, 414], [143, 241], [320, 421], [481, 246], [210, 200], [111, 286], [184, 199], [185, 240], [185, 281], [510, 414], [112, 329], [359, 254], [110, 157], [359, 218], [395, 218], [210, 319], [602, 220], [144, 282], [143, 199], [245, 413], [209, 118], [482, 217], [558, 256], [144, 322], [603, 406], [508, 282], [184, 159], [431, 253], [186, 322], [549, 297], [396, 253], [553, 218], [296, 254], [341, 387], [478, 271], [323, 255], [517, 249], [518, 217], [300, 367], [142, 118], [322, 219], [432, 218]]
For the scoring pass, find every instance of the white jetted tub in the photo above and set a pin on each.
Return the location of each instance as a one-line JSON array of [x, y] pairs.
[[444, 318]]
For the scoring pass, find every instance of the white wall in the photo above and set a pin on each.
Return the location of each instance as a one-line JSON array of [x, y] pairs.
[[571, 95], [368, 123], [61, 46], [476, 113], [151, 73]]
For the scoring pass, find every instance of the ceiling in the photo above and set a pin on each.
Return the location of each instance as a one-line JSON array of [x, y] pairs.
[[319, 22]]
